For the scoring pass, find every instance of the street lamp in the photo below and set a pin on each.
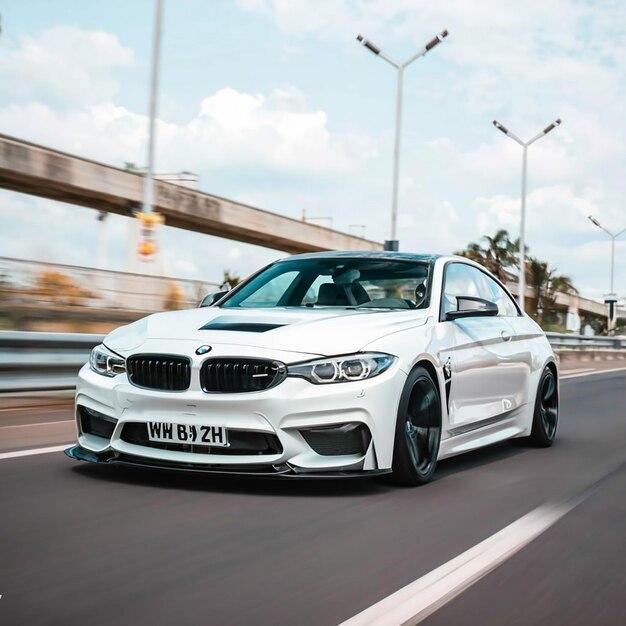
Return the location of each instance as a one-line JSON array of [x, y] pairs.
[[611, 300], [154, 88], [522, 244], [392, 243]]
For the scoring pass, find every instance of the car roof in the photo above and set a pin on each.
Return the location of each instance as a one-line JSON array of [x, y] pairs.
[[366, 254]]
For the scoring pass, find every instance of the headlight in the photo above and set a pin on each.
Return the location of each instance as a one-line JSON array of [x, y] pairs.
[[342, 369], [105, 362]]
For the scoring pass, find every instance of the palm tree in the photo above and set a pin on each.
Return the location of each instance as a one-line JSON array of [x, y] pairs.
[[563, 284], [230, 279], [473, 252], [500, 252], [546, 284], [497, 256], [537, 277]]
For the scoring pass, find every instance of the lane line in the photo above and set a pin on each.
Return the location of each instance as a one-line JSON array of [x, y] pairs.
[[38, 424], [593, 373], [19, 453], [421, 598]]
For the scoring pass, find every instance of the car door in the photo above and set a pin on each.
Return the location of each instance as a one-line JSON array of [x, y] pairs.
[[485, 371]]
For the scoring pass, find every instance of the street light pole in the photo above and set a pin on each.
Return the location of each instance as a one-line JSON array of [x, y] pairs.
[[522, 233], [154, 88], [612, 299], [392, 243], [521, 297]]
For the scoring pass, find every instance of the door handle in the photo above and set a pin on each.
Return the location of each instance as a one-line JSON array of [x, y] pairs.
[[506, 336]]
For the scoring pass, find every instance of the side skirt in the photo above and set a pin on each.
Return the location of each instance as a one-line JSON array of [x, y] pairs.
[[483, 433]]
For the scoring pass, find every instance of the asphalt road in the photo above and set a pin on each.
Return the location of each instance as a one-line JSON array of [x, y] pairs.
[[84, 544]]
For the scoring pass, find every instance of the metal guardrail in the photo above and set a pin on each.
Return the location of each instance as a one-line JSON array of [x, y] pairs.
[[565, 340], [32, 361]]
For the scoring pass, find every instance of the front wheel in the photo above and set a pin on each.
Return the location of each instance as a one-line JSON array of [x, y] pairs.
[[418, 430], [546, 416]]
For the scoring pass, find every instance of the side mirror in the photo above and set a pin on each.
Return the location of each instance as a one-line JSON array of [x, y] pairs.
[[470, 306], [212, 298]]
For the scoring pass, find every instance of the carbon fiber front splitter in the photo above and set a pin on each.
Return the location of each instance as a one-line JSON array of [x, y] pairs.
[[283, 471]]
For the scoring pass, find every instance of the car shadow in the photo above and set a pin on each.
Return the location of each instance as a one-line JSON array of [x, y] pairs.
[[289, 487]]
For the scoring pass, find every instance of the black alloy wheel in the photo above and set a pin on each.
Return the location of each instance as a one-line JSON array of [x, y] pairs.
[[546, 417], [418, 430]]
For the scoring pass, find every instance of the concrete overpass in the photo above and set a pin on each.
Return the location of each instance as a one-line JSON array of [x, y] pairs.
[[39, 171]]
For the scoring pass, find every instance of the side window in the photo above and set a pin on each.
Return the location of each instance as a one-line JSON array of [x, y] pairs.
[[465, 280], [270, 294], [506, 306]]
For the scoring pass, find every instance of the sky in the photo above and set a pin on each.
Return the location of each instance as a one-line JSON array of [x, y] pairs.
[[275, 104]]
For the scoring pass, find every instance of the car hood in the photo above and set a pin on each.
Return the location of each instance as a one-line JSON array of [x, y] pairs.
[[312, 331]]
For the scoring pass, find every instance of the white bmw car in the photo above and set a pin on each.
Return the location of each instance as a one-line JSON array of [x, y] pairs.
[[321, 365]]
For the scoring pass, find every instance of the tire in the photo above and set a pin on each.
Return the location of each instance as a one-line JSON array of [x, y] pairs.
[[546, 415], [418, 430]]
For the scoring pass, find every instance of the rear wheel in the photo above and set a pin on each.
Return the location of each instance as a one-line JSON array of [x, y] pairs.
[[418, 430], [546, 416]]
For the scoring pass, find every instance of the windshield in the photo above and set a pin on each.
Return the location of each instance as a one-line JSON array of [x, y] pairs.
[[336, 282]]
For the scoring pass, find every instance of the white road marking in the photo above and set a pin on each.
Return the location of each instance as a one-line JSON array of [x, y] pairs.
[[38, 424], [593, 373], [419, 599], [19, 453]]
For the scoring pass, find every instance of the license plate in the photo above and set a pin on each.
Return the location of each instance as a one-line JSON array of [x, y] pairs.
[[196, 434]]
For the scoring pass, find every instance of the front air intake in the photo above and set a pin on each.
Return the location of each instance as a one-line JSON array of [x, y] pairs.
[[240, 375], [338, 440], [95, 423], [159, 371]]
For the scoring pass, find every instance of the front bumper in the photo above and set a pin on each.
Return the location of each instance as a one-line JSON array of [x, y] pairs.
[[283, 412]]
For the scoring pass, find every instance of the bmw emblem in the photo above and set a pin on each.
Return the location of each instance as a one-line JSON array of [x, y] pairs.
[[203, 349]]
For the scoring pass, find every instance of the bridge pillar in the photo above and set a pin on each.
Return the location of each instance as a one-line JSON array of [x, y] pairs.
[[572, 322]]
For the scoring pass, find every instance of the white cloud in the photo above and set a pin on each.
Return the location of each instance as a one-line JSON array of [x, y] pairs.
[[58, 89], [232, 129], [557, 230], [277, 131], [63, 66], [301, 16], [545, 210]]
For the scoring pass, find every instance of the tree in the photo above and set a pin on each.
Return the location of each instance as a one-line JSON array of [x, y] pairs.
[[546, 284], [498, 256], [500, 252], [174, 296], [54, 286], [474, 252], [231, 279]]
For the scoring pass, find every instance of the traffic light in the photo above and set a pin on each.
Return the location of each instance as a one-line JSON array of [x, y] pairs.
[[147, 244]]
